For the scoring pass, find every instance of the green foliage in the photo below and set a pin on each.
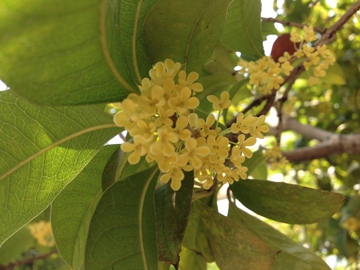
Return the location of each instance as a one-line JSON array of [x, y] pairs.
[[108, 214]]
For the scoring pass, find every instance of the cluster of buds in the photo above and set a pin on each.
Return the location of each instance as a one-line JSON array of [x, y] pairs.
[[165, 129], [42, 232], [274, 157], [266, 74]]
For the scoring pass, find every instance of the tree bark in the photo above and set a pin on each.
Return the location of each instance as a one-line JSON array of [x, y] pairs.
[[329, 143]]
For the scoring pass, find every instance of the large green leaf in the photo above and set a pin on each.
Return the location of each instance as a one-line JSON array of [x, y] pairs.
[[286, 202], [242, 30], [118, 168], [191, 260], [72, 210], [172, 211], [233, 246], [76, 52], [186, 31], [122, 232], [195, 238], [42, 150], [291, 255]]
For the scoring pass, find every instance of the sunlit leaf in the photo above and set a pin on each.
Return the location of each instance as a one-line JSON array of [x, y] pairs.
[[242, 31], [191, 260], [84, 51], [286, 202], [172, 211], [185, 31], [72, 210], [291, 255], [256, 165], [42, 150], [233, 246], [122, 232]]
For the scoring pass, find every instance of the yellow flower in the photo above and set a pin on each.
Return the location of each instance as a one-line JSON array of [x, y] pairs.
[[236, 157], [207, 127], [219, 104], [219, 147], [258, 128], [128, 116], [138, 148], [184, 101], [164, 117], [295, 37], [156, 100], [309, 34], [243, 124], [241, 172], [189, 81], [193, 154], [286, 68], [162, 70], [180, 128], [165, 142], [144, 129], [176, 175], [244, 143]]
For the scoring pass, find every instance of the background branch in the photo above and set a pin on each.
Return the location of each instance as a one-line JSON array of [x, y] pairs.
[[330, 143]]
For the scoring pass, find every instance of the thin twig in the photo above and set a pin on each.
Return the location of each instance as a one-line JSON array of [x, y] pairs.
[[326, 37], [27, 261], [292, 24]]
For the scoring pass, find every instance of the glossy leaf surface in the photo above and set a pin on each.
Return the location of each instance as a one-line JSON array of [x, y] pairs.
[[78, 52], [122, 233], [233, 246], [285, 202], [185, 31], [72, 210], [291, 255], [43, 149], [172, 211], [242, 31]]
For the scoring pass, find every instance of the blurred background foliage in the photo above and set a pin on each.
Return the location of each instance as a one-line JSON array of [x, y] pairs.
[[333, 106]]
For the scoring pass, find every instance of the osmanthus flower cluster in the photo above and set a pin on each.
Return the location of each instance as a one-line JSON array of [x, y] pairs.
[[266, 75], [42, 232], [274, 156], [165, 129]]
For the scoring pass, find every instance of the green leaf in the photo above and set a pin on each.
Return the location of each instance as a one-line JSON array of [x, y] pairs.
[[118, 168], [191, 260], [20, 242], [224, 61], [185, 31], [195, 238], [256, 165], [172, 211], [286, 202], [72, 210], [242, 30], [84, 51], [43, 149], [233, 246], [122, 232], [291, 255]]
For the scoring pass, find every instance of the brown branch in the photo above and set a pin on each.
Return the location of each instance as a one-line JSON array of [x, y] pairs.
[[330, 143], [336, 144], [27, 261], [292, 24], [330, 33]]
